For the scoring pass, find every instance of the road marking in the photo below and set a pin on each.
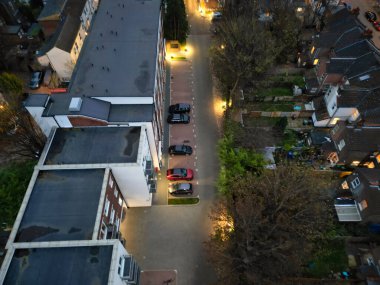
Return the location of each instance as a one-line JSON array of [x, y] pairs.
[[196, 169], [197, 182], [195, 163], [196, 157], [195, 135]]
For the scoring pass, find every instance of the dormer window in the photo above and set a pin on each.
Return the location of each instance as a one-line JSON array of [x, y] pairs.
[[355, 183]]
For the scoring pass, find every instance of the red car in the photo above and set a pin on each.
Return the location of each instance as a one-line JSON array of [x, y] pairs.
[[179, 174], [376, 25]]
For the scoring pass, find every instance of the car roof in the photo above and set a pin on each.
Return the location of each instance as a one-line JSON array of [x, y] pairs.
[[177, 170], [185, 186]]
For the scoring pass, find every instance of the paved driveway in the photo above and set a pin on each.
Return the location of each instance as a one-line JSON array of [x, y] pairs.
[[172, 237]]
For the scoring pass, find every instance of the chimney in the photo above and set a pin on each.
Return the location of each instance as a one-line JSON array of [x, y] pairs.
[[75, 104]]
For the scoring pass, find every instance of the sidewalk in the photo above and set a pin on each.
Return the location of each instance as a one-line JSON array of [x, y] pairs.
[[158, 277]]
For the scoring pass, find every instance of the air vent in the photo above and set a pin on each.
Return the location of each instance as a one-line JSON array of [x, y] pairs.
[[75, 104]]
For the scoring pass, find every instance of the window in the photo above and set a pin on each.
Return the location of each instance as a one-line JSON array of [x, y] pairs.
[[363, 205], [355, 183], [378, 158], [345, 185], [120, 201], [312, 50], [103, 231], [106, 207], [112, 218], [315, 62], [341, 144], [355, 163], [110, 182], [115, 192]]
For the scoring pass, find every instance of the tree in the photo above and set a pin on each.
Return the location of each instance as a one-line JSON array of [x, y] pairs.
[[236, 162], [244, 50], [14, 181], [17, 128], [176, 26], [286, 30], [10, 83], [265, 230]]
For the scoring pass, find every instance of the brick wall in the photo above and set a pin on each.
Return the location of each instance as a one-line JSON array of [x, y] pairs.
[[78, 121], [112, 202]]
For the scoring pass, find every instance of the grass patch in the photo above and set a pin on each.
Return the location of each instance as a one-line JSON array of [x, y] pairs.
[[178, 58], [273, 107], [331, 257], [183, 201], [14, 180], [276, 91], [261, 122]]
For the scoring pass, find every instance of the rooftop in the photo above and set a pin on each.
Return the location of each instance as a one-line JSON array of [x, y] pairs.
[[94, 145], [60, 265], [46, 218], [127, 43], [52, 10]]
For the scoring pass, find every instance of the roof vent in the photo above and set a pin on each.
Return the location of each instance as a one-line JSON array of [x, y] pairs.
[[75, 104]]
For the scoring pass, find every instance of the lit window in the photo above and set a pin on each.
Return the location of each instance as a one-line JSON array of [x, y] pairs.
[[355, 163], [345, 185], [312, 50], [355, 183], [378, 158], [363, 205], [369, 164], [315, 62]]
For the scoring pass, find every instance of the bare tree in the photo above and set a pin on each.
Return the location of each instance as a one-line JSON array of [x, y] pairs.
[[18, 131], [243, 51], [267, 228]]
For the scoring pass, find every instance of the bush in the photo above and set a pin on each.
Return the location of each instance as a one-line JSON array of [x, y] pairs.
[[14, 180]]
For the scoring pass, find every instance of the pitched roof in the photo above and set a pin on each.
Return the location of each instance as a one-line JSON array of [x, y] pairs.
[[369, 79], [93, 108], [367, 190], [354, 50]]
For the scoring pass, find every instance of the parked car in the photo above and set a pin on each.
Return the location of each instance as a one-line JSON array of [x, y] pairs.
[[370, 16], [178, 119], [179, 174], [216, 16], [179, 108], [376, 25], [35, 80], [180, 150], [180, 189]]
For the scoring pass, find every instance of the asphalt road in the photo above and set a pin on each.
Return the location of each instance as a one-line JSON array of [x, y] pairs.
[[172, 237]]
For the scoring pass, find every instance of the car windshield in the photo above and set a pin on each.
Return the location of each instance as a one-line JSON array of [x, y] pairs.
[[178, 148], [179, 171]]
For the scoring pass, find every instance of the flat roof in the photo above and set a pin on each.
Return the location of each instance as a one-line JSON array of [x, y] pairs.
[[131, 113], [93, 145], [62, 206], [60, 265], [120, 54]]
